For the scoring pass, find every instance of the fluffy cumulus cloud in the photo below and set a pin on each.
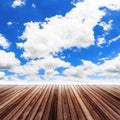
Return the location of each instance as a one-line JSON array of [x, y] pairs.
[[48, 64], [2, 75], [82, 71], [4, 42], [109, 71], [61, 32], [17, 3], [111, 67], [41, 40], [30, 71], [8, 60]]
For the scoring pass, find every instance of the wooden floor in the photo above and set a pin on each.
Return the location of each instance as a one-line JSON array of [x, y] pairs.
[[60, 102]]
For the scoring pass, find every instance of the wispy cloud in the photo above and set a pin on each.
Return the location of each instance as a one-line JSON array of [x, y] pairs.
[[114, 39]]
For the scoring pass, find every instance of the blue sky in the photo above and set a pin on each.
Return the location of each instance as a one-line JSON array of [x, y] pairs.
[[62, 41]]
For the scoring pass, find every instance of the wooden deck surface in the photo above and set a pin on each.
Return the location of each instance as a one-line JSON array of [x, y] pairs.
[[59, 102]]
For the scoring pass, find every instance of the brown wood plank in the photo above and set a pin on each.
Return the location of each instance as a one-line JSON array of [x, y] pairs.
[[91, 108], [108, 99], [78, 109], [59, 105], [4, 88], [10, 94], [106, 110], [48, 105], [17, 111], [43, 102], [11, 103], [36, 109], [81, 103], [31, 105], [66, 111], [70, 104], [59, 102]]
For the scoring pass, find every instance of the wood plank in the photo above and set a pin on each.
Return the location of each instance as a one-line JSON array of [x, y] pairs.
[[91, 108], [59, 102], [106, 110], [66, 111], [48, 105], [36, 108], [10, 94], [59, 105], [70, 104], [11, 103], [31, 105], [23, 104], [78, 108], [81, 103], [53, 109], [43, 102]]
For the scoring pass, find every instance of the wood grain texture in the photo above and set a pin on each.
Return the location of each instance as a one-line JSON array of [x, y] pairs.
[[60, 102]]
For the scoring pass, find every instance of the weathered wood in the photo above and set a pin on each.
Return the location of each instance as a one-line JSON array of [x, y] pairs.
[[59, 102]]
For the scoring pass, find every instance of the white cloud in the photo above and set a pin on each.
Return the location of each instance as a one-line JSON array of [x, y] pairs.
[[9, 23], [8, 60], [48, 63], [33, 5], [114, 39], [101, 41], [50, 74], [76, 1], [4, 42], [106, 26], [30, 70], [2, 75], [111, 67], [17, 3], [109, 71], [81, 71], [73, 29]]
